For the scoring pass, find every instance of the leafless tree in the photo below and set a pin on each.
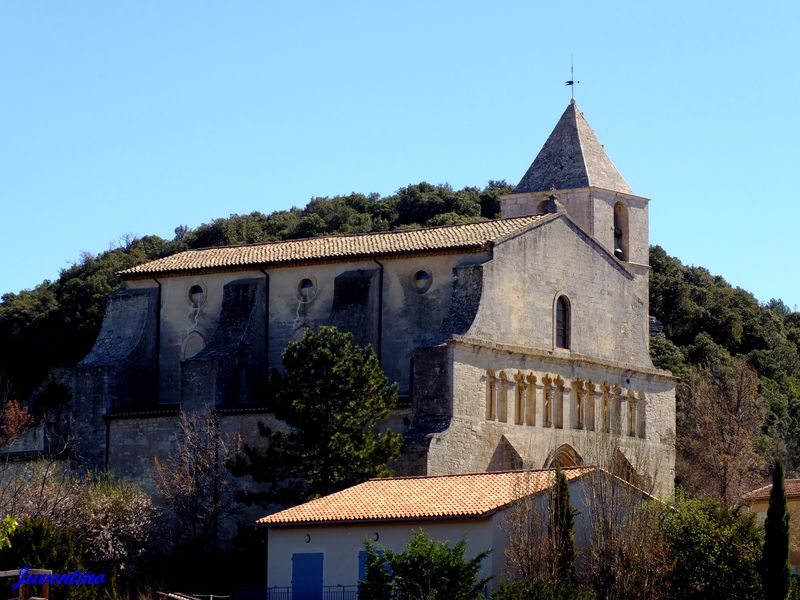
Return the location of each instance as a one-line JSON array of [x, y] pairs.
[[192, 481], [625, 555], [117, 520], [35, 486], [530, 549], [114, 521], [719, 421]]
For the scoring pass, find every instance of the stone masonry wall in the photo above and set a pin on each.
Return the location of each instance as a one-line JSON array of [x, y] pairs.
[[412, 316], [592, 209], [527, 274], [482, 438]]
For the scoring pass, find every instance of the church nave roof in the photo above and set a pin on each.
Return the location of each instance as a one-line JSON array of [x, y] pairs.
[[470, 236]]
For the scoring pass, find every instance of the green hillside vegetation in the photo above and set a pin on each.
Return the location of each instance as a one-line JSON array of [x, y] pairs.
[[707, 322], [47, 330]]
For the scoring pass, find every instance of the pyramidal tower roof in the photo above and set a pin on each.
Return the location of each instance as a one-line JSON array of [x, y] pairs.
[[571, 158]]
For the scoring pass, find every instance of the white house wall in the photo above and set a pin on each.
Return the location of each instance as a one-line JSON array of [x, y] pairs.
[[341, 545]]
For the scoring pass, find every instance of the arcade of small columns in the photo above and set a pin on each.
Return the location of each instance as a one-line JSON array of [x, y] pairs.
[[586, 399]]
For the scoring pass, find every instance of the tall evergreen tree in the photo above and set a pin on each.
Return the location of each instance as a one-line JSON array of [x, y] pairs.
[[776, 540], [562, 531], [332, 395]]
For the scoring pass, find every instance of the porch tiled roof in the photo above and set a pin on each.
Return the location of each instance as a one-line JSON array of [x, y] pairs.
[[449, 237], [762, 493], [473, 495]]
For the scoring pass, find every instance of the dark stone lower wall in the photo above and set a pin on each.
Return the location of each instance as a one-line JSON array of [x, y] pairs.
[[431, 407]]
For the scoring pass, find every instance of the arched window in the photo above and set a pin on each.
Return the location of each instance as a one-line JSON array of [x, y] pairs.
[[197, 295], [621, 231], [491, 395], [563, 325], [547, 410]]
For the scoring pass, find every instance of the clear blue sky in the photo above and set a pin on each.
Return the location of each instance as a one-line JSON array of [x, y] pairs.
[[135, 117]]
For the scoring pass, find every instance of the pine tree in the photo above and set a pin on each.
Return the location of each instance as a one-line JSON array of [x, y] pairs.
[[332, 395], [775, 565], [562, 532]]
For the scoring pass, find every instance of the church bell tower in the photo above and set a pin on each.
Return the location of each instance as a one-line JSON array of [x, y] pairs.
[[573, 169]]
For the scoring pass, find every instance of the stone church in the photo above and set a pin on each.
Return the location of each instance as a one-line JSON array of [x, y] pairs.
[[517, 342]]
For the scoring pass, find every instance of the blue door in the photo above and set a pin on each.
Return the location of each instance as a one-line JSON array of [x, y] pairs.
[[307, 576]]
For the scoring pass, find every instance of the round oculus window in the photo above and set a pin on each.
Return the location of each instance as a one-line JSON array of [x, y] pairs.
[[197, 295], [422, 280], [306, 290]]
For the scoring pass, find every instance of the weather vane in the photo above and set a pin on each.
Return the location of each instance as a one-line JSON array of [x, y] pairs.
[[571, 81]]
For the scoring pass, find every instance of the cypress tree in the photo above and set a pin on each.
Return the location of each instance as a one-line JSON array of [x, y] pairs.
[[775, 571], [562, 532]]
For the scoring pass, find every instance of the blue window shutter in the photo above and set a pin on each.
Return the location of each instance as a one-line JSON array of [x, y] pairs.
[[362, 565]]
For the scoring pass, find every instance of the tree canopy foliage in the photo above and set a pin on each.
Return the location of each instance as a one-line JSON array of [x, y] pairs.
[[425, 568], [332, 396], [717, 552], [37, 544], [562, 531], [708, 323]]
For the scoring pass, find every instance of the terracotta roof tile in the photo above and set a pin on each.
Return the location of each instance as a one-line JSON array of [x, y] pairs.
[[445, 496], [762, 493], [448, 237]]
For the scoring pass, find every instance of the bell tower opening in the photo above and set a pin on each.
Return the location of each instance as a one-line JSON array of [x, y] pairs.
[[621, 231]]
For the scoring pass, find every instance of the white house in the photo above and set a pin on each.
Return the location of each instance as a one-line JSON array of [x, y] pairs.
[[319, 545]]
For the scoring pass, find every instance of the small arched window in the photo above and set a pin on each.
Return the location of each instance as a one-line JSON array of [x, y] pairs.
[[621, 231], [306, 290], [422, 281], [197, 295], [563, 325]]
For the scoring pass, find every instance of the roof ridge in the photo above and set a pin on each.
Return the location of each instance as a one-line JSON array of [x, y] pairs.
[[482, 473], [469, 237], [358, 234], [575, 112]]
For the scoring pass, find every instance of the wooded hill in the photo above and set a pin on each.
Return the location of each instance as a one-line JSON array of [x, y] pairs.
[[47, 330]]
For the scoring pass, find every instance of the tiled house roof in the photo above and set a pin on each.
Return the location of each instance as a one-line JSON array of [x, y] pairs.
[[762, 493], [473, 495], [471, 236]]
